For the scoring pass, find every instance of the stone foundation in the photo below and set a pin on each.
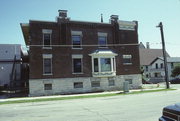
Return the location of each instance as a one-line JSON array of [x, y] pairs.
[[67, 86]]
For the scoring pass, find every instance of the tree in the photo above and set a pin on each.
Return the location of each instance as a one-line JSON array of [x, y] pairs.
[[176, 71]]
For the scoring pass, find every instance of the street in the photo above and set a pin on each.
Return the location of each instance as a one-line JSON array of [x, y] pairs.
[[137, 107]]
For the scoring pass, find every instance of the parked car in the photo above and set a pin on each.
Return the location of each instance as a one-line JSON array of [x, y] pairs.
[[171, 113], [175, 81]]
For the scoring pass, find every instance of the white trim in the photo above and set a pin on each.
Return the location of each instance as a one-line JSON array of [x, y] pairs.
[[77, 56], [76, 33], [47, 55], [46, 31], [102, 34]]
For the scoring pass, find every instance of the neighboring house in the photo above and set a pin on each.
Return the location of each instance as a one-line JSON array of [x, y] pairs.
[[147, 56], [157, 68], [10, 65], [75, 56]]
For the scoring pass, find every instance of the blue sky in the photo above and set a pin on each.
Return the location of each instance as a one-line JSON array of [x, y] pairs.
[[147, 12]]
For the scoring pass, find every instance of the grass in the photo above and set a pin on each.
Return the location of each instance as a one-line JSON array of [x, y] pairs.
[[83, 96]]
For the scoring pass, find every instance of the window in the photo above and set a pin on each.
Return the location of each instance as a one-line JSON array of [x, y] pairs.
[[172, 65], [77, 63], [105, 64], [95, 84], [156, 66], [102, 39], [146, 68], [129, 80], [76, 41], [47, 86], [76, 37], [96, 65], [111, 81], [161, 65], [127, 59], [47, 64], [47, 38], [78, 84]]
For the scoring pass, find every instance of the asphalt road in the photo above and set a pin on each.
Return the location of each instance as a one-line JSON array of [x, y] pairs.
[[138, 107]]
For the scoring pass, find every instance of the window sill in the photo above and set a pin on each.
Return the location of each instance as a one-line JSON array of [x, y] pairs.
[[47, 74], [103, 47], [77, 48], [127, 63], [47, 48], [77, 73]]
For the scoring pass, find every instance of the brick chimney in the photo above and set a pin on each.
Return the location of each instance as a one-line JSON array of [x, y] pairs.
[[147, 45], [62, 16], [62, 13], [114, 18]]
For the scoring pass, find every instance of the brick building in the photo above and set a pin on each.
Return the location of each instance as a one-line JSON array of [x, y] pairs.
[[69, 56]]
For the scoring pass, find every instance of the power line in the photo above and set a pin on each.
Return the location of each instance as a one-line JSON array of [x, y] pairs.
[[95, 45]]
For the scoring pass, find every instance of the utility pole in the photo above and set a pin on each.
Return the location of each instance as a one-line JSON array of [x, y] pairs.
[[164, 55]]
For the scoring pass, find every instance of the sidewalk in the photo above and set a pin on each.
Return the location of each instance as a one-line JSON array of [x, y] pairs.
[[73, 95]]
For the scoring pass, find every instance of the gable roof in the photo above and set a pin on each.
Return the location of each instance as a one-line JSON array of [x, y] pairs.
[[171, 59], [148, 55]]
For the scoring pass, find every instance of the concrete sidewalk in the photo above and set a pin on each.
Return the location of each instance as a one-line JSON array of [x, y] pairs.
[[73, 95]]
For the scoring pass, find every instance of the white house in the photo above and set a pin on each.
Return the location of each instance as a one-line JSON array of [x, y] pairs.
[[10, 64], [157, 72]]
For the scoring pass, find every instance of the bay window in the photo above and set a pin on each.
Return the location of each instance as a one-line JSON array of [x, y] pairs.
[[103, 63]]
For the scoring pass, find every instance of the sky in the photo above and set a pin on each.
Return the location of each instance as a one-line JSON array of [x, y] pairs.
[[148, 13]]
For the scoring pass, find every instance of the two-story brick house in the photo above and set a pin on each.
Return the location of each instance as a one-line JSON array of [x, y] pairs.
[[69, 56]]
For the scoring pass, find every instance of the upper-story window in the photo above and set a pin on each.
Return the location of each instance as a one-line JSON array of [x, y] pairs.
[[157, 66], [102, 39], [76, 37], [47, 38], [127, 59]]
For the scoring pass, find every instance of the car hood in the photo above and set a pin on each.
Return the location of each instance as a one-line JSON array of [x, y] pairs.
[[173, 108]]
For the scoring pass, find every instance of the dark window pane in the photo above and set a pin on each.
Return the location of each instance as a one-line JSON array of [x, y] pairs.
[[129, 80], [47, 86], [77, 65], [102, 41], [78, 84], [127, 59], [76, 41], [96, 65], [47, 66], [95, 84], [47, 40]]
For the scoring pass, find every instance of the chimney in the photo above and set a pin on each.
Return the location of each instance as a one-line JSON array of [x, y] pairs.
[[147, 45], [114, 18], [62, 13]]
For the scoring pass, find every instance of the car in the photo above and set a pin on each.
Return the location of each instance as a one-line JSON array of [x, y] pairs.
[[175, 81], [171, 113]]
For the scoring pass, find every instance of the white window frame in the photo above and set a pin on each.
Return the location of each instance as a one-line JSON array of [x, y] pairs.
[[47, 56], [102, 34], [47, 31], [77, 56], [77, 33], [127, 57]]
